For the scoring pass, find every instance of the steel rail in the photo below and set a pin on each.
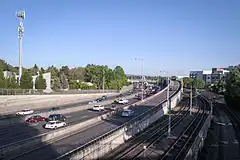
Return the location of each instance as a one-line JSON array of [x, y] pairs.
[[178, 149], [136, 149]]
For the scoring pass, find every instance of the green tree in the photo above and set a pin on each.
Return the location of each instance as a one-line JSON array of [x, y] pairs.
[[42, 70], [73, 85], [56, 84], [232, 94], [65, 70], [219, 87], [2, 79], [120, 76], [40, 82], [63, 80], [26, 80], [76, 74], [198, 83], [11, 83], [35, 70], [187, 82]]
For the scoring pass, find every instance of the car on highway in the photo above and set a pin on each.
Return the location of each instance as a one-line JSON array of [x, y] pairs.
[[104, 97], [92, 102], [127, 113], [98, 108], [35, 119], [122, 101], [120, 95], [56, 117], [54, 124], [99, 100], [54, 109], [24, 112], [113, 107]]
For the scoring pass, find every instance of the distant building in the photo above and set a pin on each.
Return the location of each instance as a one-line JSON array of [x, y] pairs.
[[210, 76], [46, 76], [218, 73], [207, 77], [8, 74], [196, 74]]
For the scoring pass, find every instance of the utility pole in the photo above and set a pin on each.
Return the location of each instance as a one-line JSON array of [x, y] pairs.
[[191, 101], [196, 97], [21, 15], [169, 109], [103, 79]]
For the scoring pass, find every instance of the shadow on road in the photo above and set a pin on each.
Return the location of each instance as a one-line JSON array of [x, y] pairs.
[[13, 134]]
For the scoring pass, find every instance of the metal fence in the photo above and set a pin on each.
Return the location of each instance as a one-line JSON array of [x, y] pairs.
[[4, 91]]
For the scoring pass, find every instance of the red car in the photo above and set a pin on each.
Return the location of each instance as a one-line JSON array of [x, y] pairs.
[[35, 119]]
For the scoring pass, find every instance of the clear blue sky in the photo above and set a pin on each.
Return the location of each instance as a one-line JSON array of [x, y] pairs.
[[176, 36]]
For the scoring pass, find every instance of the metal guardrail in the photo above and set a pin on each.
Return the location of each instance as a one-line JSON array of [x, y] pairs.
[[141, 116], [4, 91]]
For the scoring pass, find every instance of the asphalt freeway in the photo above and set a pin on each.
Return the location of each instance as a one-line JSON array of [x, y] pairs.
[[55, 149], [15, 132], [10, 119], [60, 107]]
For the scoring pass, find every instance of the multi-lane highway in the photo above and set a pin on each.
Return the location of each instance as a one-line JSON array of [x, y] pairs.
[[60, 107], [59, 147], [15, 132]]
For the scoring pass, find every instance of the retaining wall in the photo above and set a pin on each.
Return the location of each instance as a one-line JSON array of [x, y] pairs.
[[107, 142]]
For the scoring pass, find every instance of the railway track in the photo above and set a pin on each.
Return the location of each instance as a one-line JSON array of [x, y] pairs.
[[180, 147], [155, 131]]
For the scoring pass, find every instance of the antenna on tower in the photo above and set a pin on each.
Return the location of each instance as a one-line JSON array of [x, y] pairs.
[[21, 15]]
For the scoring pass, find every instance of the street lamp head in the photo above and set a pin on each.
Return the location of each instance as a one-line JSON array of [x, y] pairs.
[[20, 14]]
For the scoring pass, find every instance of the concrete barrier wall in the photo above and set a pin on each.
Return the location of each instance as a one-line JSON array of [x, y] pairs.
[[35, 103], [102, 146]]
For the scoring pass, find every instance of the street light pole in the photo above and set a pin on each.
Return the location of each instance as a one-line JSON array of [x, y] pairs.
[[141, 74], [191, 101], [103, 79]]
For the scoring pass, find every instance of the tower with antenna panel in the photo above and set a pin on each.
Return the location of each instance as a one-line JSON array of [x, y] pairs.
[[21, 15]]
